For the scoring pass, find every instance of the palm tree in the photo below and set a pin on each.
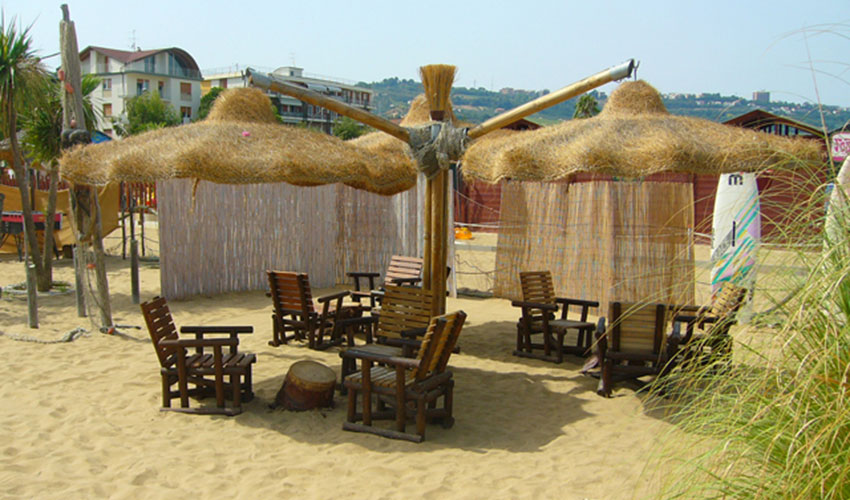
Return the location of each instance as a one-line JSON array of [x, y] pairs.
[[43, 126], [586, 107], [22, 80]]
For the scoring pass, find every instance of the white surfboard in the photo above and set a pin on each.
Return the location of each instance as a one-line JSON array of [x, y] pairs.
[[736, 232]]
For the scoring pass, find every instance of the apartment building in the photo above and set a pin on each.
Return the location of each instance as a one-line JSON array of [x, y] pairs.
[[126, 74], [290, 109]]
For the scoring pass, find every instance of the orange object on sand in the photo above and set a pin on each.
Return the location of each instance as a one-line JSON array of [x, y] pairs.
[[462, 233]]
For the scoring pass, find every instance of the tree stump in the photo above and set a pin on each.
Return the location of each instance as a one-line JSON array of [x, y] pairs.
[[308, 385]]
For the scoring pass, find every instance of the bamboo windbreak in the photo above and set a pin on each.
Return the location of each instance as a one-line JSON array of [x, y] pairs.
[[602, 240], [237, 232]]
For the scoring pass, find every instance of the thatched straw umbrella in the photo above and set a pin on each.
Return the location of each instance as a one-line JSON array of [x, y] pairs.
[[239, 143], [633, 136]]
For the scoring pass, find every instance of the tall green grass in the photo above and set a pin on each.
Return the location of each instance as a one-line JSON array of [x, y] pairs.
[[775, 421]]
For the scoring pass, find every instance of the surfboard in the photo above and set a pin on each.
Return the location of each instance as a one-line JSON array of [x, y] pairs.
[[736, 231]]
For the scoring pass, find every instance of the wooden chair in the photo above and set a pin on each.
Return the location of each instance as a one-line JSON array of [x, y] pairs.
[[539, 309], [204, 370], [295, 318], [401, 271], [403, 320], [398, 381], [634, 343], [706, 338]]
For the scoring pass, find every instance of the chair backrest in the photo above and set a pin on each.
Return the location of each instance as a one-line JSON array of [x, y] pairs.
[[637, 328], [403, 267], [160, 326], [290, 293], [404, 308], [537, 286], [727, 300], [440, 340]]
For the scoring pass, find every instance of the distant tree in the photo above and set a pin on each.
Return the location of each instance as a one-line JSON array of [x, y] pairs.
[[586, 107], [148, 112], [346, 128], [207, 102], [43, 126]]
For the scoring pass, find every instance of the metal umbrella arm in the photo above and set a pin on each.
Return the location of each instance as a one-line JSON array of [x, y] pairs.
[[437, 144]]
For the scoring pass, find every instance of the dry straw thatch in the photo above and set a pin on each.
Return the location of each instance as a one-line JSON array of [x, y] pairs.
[[634, 136], [239, 144]]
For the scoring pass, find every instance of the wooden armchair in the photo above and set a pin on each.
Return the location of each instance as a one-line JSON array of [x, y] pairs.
[[398, 381], [405, 314], [539, 309], [706, 338], [634, 343], [295, 318], [204, 370], [401, 271]]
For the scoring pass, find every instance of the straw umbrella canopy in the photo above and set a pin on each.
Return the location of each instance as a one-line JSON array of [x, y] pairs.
[[633, 136], [240, 142]]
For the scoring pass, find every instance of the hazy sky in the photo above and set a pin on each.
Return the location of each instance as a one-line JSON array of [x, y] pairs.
[[731, 47]]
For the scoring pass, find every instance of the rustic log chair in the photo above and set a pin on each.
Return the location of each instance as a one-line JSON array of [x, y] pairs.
[[706, 337], [204, 370], [634, 343], [401, 271], [398, 381], [295, 318], [404, 318], [539, 308]]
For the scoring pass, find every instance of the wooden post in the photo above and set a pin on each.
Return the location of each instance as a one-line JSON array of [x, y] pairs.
[[79, 271], [134, 270], [32, 297], [84, 199], [426, 267], [450, 226], [438, 242]]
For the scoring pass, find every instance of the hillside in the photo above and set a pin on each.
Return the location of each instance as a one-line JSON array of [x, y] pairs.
[[392, 98]]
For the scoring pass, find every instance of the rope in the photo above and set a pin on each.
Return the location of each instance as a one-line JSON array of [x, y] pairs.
[[68, 337]]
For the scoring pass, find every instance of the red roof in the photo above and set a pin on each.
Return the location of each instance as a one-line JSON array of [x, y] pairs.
[[128, 56]]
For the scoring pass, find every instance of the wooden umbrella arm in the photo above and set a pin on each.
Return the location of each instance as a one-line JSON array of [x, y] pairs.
[[269, 82]]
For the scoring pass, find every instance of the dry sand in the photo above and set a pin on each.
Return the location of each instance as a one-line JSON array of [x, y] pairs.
[[82, 419]]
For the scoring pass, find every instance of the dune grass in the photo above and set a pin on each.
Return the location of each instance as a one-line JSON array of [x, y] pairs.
[[774, 422]]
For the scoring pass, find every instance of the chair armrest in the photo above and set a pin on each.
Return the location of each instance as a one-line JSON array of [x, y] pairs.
[[199, 342], [334, 296], [377, 358], [576, 302], [414, 332], [534, 305], [405, 281], [202, 330], [359, 274]]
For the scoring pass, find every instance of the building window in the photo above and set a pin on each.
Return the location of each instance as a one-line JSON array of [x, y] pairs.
[[186, 91], [142, 86], [107, 109], [150, 64], [186, 112], [223, 83], [107, 84], [160, 85]]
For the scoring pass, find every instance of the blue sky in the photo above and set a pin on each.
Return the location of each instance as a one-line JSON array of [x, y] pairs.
[[731, 47]]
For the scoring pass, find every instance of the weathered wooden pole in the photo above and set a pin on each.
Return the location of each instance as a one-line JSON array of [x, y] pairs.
[[84, 199], [134, 270], [32, 296]]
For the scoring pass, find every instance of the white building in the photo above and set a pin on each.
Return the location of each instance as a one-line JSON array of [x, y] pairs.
[[126, 74], [290, 109]]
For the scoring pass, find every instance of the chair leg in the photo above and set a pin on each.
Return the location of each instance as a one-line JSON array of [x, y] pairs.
[[166, 392], [401, 407], [236, 384], [604, 388], [367, 392], [420, 416], [559, 347], [352, 405], [448, 402]]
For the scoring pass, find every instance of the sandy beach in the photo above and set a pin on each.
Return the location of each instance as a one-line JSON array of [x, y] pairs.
[[82, 419]]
